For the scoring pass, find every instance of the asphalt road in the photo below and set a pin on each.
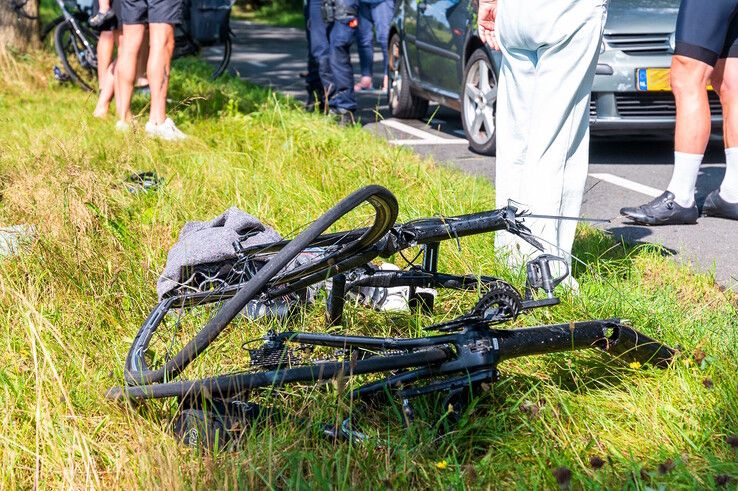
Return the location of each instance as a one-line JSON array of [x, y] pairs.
[[623, 172]]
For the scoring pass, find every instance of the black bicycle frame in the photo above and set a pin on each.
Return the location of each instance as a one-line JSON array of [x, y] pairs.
[[474, 350]]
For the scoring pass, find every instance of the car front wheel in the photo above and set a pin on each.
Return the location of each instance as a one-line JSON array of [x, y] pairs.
[[479, 102], [402, 102]]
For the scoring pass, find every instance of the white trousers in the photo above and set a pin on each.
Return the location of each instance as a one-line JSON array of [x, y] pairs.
[[549, 56]]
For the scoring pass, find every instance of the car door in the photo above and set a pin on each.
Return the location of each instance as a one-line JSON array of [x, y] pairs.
[[410, 28], [441, 29]]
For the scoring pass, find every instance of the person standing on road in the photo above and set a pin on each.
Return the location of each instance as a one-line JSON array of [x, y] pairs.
[[706, 49], [319, 79], [161, 16], [375, 16], [549, 56], [342, 20]]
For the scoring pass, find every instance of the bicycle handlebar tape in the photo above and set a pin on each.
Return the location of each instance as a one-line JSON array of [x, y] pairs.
[[385, 204]]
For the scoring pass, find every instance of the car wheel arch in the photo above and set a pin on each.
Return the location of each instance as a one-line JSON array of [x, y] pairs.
[[473, 44]]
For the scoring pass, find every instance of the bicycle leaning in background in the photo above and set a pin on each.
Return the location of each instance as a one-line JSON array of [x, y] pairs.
[[205, 33]]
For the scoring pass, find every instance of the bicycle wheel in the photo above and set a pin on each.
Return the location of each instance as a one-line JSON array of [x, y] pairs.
[[219, 52], [276, 367], [50, 28], [76, 50], [218, 55], [182, 325]]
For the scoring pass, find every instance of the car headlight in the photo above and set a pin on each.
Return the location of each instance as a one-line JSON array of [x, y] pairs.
[[672, 42]]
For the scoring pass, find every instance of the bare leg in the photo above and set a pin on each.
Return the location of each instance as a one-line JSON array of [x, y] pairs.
[[689, 79], [107, 76], [105, 46], [126, 69], [107, 90], [161, 39], [725, 82], [143, 58], [116, 78], [726, 85]]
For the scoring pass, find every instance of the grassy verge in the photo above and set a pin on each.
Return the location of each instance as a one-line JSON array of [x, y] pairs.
[[273, 14], [70, 303]]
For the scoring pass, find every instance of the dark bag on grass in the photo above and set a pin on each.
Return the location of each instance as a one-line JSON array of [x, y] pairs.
[[209, 20]]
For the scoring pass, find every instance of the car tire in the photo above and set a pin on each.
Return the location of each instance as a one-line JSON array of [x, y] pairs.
[[402, 102], [479, 102]]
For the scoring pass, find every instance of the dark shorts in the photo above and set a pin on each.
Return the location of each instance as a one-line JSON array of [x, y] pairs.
[[707, 30], [112, 24], [151, 11]]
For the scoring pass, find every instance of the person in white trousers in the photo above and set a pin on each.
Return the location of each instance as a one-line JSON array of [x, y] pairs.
[[549, 56]]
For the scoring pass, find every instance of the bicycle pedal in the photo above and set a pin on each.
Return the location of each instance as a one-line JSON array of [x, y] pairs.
[[60, 76]]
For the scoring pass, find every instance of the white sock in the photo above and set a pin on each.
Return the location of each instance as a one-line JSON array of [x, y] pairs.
[[684, 179], [729, 187]]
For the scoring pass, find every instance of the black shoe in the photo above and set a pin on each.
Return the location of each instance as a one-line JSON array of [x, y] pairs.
[[343, 117], [662, 211], [101, 18], [716, 206], [312, 106]]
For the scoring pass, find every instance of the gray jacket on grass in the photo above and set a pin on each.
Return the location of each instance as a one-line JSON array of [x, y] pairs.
[[211, 242]]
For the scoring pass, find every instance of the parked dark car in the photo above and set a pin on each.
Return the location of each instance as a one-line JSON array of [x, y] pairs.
[[436, 55]]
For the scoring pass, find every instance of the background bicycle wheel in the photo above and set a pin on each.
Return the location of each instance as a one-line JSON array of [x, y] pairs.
[[79, 62]]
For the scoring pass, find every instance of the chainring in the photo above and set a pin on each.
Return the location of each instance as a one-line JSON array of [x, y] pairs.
[[502, 303]]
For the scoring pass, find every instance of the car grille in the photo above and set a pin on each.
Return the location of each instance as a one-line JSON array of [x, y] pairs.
[[639, 44], [654, 104], [593, 107]]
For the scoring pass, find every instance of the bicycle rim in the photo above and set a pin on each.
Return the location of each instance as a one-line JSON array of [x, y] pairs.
[[287, 370], [77, 61], [181, 326]]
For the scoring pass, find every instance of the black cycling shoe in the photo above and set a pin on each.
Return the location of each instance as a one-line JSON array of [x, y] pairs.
[[662, 211], [101, 18], [716, 206]]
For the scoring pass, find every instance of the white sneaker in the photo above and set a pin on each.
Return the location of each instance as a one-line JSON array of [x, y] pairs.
[[393, 299], [166, 130], [122, 126]]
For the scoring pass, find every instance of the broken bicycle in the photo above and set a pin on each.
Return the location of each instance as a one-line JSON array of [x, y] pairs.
[[465, 353]]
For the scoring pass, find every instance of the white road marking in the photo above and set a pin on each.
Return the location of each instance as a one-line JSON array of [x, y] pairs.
[[410, 130], [256, 63], [435, 141], [628, 184], [425, 138]]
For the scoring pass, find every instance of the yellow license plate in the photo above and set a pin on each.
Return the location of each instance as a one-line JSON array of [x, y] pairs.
[[653, 79]]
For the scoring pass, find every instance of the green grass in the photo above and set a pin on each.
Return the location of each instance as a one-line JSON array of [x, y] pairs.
[[71, 302], [280, 13]]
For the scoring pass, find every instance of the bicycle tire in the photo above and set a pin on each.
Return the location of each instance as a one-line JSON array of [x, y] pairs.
[[185, 46], [232, 384], [137, 371], [59, 45], [227, 51], [51, 26]]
